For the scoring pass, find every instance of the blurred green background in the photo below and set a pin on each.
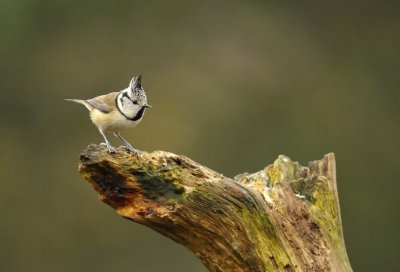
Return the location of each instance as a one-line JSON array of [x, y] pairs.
[[233, 84]]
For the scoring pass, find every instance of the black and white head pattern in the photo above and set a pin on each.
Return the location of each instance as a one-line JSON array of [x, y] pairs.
[[132, 101]]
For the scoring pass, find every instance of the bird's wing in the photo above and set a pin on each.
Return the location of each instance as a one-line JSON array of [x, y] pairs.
[[104, 103]]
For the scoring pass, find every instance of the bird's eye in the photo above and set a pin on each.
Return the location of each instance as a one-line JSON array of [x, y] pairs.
[[134, 102]]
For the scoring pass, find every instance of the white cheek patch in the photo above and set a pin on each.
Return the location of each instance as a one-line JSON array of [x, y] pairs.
[[131, 104], [126, 107], [126, 104]]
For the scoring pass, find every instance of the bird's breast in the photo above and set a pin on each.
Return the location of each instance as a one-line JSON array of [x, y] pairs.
[[113, 121]]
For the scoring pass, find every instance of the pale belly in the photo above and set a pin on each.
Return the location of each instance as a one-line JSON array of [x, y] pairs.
[[113, 121]]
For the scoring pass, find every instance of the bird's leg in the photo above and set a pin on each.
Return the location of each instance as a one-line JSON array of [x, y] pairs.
[[107, 143], [128, 145]]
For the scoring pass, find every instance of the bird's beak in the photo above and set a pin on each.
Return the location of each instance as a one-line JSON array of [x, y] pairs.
[[147, 106]]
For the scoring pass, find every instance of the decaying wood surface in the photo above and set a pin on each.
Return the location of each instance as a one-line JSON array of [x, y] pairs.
[[285, 217]]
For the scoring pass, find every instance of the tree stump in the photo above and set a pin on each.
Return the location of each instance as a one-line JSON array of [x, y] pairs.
[[285, 217]]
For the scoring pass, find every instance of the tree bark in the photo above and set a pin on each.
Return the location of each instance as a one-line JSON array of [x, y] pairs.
[[285, 217]]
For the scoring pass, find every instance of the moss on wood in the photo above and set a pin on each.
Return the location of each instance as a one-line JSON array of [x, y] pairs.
[[285, 217]]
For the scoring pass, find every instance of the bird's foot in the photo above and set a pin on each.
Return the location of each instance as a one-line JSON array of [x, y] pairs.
[[131, 149], [110, 148]]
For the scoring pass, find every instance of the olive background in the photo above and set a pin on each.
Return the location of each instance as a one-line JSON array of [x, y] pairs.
[[233, 84]]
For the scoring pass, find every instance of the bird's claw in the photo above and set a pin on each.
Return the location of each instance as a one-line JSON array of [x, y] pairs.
[[131, 149], [111, 149]]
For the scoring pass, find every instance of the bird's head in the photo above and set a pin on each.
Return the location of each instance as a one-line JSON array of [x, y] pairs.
[[133, 99]]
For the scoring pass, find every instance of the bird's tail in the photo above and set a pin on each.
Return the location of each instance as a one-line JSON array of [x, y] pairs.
[[80, 101]]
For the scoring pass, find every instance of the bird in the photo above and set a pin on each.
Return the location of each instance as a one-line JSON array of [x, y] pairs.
[[116, 111]]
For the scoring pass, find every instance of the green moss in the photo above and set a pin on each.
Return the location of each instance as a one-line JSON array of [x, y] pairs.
[[282, 169], [322, 205], [264, 235], [324, 209]]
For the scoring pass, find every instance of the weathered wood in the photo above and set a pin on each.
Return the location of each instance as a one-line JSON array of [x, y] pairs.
[[285, 217]]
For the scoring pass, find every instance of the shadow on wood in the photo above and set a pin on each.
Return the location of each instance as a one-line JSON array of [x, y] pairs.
[[285, 217]]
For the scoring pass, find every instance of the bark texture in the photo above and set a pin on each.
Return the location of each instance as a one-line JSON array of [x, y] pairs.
[[285, 217]]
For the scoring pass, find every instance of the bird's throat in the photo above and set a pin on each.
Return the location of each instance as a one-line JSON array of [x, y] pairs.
[[138, 115]]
